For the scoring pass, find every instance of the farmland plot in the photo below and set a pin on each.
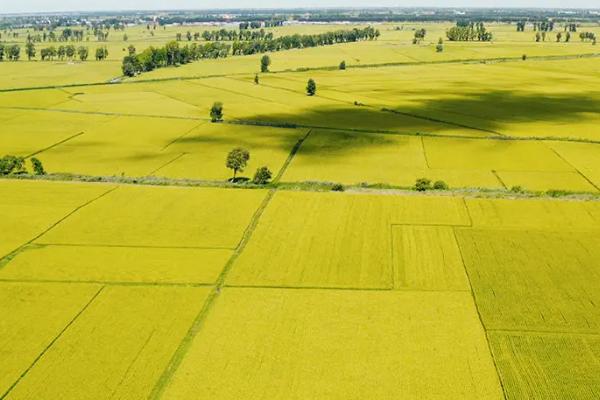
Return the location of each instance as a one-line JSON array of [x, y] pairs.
[[117, 348], [33, 315], [23, 216], [116, 264], [547, 366], [139, 216], [334, 240], [293, 344], [534, 280]]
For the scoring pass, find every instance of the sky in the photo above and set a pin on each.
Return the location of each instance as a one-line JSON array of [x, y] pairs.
[[12, 6]]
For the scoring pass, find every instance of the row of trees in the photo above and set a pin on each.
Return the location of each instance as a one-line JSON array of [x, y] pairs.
[[546, 26], [69, 52], [11, 52], [303, 41], [469, 32], [13, 165], [171, 54], [226, 35], [259, 24]]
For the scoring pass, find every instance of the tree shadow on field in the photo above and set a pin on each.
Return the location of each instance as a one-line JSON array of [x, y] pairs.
[[473, 114]]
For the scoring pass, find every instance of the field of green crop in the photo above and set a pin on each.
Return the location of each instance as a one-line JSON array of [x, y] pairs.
[[135, 269]]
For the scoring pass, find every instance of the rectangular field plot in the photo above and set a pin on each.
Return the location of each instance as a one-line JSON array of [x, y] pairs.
[[534, 280], [316, 344], [534, 214], [547, 366], [116, 264], [500, 155], [427, 257], [33, 315], [131, 146], [333, 240], [205, 149], [542, 181], [117, 348], [583, 156], [161, 217], [28, 208], [353, 157], [32, 131]]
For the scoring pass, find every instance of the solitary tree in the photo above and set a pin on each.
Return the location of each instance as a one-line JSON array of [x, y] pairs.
[[237, 159], [216, 112], [30, 50], [265, 61], [440, 46], [256, 79], [36, 165], [343, 65], [262, 176], [82, 52], [311, 87]]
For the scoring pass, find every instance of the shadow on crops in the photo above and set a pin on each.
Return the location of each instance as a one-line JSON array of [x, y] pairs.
[[473, 114]]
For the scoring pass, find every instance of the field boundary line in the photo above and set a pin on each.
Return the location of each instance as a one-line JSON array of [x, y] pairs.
[[495, 173], [574, 167], [168, 163], [232, 91], [8, 257], [133, 246], [540, 332], [433, 225], [182, 136], [71, 322], [485, 332], [196, 326], [425, 152], [54, 145], [107, 283], [441, 121], [290, 157], [327, 288]]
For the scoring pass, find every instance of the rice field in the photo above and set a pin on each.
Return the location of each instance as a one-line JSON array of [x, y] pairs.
[[134, 269]]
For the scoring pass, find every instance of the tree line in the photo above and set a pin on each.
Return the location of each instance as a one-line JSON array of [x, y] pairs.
[[260, 24], [226, 35], [11, 52], [174, 54], [298, 41], [469, 31], [171, 54]]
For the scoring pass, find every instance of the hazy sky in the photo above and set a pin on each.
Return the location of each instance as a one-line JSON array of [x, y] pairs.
[[9, 6]]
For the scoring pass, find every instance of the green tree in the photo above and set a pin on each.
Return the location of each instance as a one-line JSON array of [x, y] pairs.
[[237, 159], [422, 184], [256, 81], [12, 165], [440, 45], [265, 62], [36, 165], [83, 53], [343, 65], [30, 50], [440, 185], [216, 112], [262, 176], [311, 87]]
